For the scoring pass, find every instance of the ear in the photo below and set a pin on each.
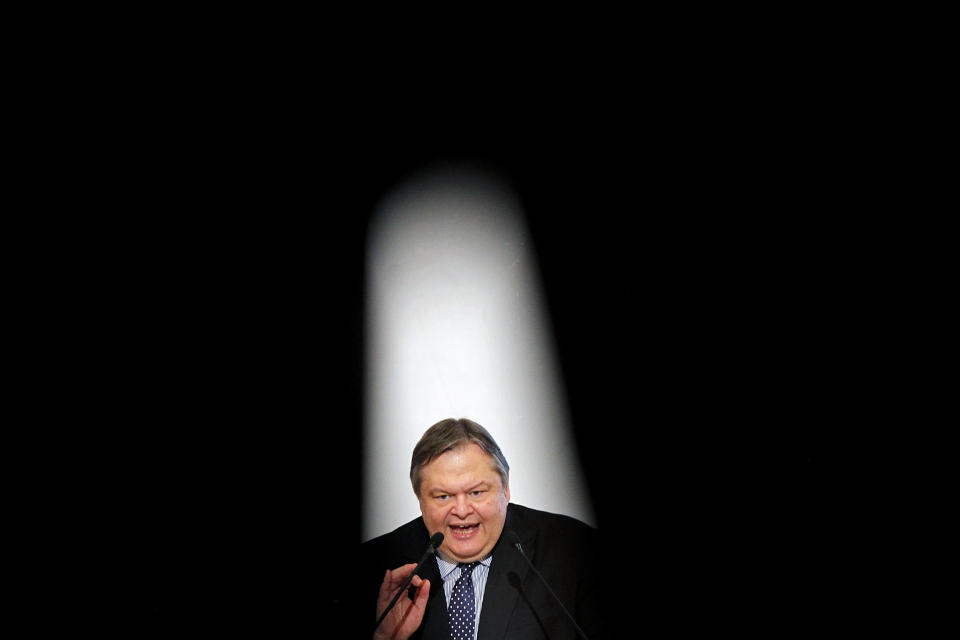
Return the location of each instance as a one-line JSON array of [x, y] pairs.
[[506, 488]]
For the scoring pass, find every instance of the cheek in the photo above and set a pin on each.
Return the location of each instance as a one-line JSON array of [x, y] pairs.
[[492, 510], [435, 514]]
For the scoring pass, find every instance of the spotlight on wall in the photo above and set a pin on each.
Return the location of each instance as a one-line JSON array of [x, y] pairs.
[[457, 327]]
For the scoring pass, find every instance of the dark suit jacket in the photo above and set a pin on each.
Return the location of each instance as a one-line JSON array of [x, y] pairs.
[[516, 605]]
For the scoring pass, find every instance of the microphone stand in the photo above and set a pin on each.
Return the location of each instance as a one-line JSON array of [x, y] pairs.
[[434, 543], [516, 543]]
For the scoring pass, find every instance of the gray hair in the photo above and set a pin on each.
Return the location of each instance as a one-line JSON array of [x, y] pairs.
[[447, 435]]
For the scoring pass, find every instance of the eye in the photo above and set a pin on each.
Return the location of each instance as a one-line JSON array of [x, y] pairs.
[[478, 492], [442, 497]]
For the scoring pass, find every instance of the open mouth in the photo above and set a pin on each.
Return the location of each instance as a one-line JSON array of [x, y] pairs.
[[463, 531]]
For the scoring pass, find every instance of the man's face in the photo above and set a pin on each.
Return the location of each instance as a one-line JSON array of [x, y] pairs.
[[462, 497]]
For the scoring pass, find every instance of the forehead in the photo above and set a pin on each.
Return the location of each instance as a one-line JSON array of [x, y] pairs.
[[467, 463]]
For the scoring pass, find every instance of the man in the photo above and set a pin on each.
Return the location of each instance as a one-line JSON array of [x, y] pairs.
[[479, 587]]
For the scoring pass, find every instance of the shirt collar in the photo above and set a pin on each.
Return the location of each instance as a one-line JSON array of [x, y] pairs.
[[448, 565]]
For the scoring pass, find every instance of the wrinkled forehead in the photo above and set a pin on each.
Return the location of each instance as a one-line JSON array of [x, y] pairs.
[[465, 463]]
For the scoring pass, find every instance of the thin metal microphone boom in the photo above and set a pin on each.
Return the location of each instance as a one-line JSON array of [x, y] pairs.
[[515, 540], [435, 541]]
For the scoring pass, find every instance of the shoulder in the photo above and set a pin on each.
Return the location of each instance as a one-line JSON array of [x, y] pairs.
[[528, 515], [563, 548], [398, 545], [549, 526]]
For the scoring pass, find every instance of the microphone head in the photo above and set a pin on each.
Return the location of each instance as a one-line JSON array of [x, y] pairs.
[[436, 539], [513, 538]]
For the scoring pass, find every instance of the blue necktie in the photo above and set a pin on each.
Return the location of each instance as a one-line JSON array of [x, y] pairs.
[[463, 609]]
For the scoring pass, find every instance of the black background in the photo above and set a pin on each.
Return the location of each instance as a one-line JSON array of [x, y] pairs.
[[688, 277]]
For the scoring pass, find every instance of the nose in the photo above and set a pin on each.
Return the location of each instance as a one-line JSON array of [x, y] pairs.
[[462, 507]]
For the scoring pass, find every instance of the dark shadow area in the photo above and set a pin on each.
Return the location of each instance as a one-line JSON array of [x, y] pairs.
[[219, 298]]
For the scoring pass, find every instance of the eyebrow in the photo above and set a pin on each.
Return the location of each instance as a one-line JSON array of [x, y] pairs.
[[439, 491]]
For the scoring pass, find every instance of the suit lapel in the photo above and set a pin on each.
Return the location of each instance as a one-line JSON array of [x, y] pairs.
[[508, 571]]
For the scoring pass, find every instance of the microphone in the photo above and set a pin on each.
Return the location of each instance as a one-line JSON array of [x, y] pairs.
[[515, 541], [435, 541]]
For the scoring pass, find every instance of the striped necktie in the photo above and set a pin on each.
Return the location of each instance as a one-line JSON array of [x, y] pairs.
[[463, 610]]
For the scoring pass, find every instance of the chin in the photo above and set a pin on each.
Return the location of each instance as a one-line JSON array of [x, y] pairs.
[[466, 553]]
